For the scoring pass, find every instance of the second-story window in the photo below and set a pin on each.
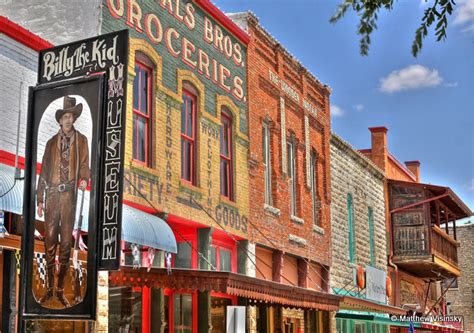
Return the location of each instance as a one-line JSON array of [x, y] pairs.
[[141, 113], [267, 164], [188, 136], [292, 176], [226, 154], [350, 221], [313, 167]]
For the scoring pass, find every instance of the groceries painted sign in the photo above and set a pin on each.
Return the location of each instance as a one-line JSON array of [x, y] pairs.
[[187, 34]]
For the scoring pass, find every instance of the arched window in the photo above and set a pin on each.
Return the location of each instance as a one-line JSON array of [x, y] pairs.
[[371, 236], [350, 220], [188, 133], [226, 154], [142, 109]]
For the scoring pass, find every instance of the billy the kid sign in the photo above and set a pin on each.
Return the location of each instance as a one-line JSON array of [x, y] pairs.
[[74, 164]]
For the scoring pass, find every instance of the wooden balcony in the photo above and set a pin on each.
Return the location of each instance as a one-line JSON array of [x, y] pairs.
[[429, 255], [420, 245]]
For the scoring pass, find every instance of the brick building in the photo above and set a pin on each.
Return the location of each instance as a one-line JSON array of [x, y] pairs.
[[358, 240], [289, 129], [460, 297], [422, 251]]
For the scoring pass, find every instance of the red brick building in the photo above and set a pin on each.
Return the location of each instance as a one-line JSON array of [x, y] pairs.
[[289, 130]]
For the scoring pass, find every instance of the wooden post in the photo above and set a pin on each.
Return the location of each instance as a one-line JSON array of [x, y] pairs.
[[447, 219], [454, 229], [437, 213]]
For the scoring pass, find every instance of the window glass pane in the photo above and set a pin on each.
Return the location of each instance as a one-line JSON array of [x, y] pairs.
[[144, 91], [141, 138], [177, 311], [125, 310], [186, 158], [225, 257], [187, 304], [183, 258], [351, 228], [214, 257], [182, 313], [136, 87], [190, 118], [224, 178]]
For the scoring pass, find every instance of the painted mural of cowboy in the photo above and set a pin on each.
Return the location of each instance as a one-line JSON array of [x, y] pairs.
[[65, 169]]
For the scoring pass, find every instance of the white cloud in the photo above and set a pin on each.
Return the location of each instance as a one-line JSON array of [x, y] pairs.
[[451, 84], [411, 77], [336, 111], [470, 185], [359, 107], [465, 15]]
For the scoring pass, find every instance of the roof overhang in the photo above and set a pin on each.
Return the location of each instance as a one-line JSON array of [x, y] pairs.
[[234, 284]]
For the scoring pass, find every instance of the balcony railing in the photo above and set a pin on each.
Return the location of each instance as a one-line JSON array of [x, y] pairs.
[[444, 246], [412, 241]]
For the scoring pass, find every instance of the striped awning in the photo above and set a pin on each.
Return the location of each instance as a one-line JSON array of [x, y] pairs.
[[11, 191], [137, 226]]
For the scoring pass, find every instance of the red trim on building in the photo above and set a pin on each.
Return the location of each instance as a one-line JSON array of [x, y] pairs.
[[8, 158], [23, 36], [401, 166], [218, 15]]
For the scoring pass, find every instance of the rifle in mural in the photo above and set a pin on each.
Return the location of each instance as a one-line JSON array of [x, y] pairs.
[[77, 267]]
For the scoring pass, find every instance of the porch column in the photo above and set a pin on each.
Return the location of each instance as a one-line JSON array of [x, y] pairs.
[[277, 265], [157, 311], [204, 236], [204, 312]]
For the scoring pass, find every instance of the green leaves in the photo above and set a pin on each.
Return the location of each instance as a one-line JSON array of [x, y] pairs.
[[368, 10]]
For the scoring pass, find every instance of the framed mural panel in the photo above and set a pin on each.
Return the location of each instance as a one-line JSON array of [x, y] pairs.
[[63, 168]]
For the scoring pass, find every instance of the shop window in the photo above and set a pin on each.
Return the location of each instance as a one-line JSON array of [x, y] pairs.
[[142, 106], [188, 135], [350, 221], [313, 167], [221, 258], [125, 309], [218, 313], [184, 258], [292, 176], [226, 154], [267, 163], [182, 313], [371, 236]]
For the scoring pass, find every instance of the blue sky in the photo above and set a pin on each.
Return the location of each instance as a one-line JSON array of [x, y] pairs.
[[427, 103]]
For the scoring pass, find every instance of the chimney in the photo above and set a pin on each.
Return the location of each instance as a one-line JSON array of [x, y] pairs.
[[379, 153], [414, 167]]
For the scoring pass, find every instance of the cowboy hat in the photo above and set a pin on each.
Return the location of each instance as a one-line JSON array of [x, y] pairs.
[[69, 106]]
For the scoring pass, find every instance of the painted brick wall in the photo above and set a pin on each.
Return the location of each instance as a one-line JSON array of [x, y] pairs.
[[267, 102], [18, 66], [353, 173], [462, 298], [58, 21], [161, 180]]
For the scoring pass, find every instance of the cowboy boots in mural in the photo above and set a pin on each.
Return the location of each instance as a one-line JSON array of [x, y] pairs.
[[63, 270], [49, 285]]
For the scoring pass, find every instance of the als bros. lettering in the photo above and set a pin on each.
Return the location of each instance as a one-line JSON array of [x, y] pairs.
[[154, 27]]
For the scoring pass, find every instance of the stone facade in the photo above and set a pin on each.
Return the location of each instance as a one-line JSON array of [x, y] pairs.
[[353, 173], [461, 300]]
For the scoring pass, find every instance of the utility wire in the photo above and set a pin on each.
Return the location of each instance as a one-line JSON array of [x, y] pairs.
[[174, 229], [247, 251]]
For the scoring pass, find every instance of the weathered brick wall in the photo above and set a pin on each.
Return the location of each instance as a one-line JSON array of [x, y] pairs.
[[161, 181], [57, 21], [462, 298], [353, 173], [270, 67], [18, 65]]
